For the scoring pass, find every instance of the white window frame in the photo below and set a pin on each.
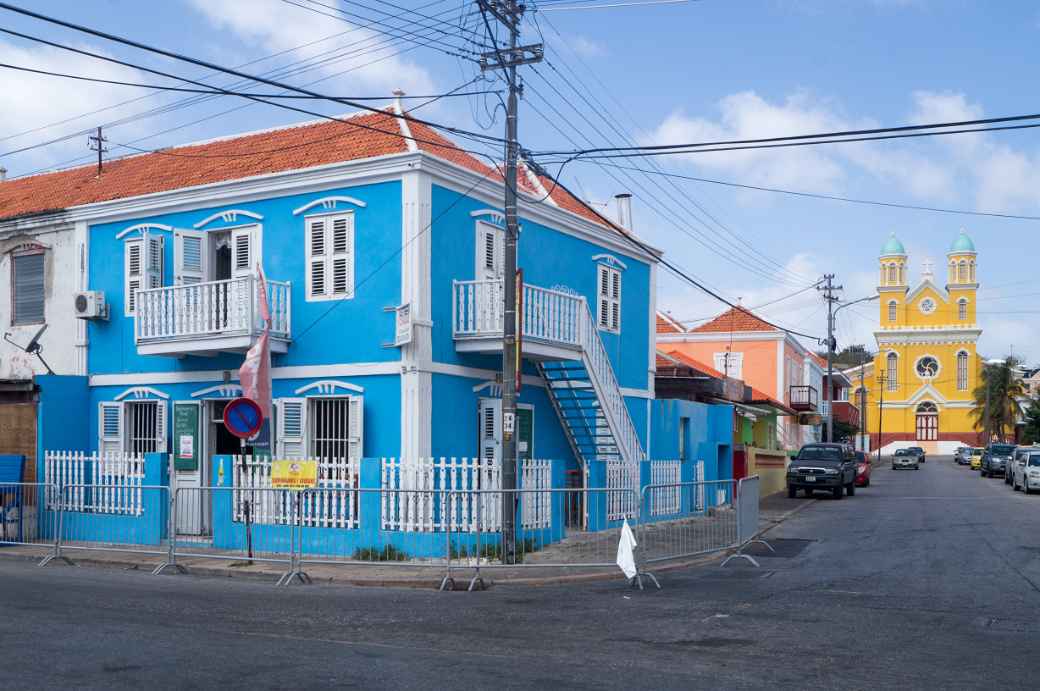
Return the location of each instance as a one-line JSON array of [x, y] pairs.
[[485, 268], [893, 310], [735, 364], [15, 256], [296, 420], [962, 310], [608, 295], [892, 371], [962, 370], [118, 440], [151, 249], [329, 256]]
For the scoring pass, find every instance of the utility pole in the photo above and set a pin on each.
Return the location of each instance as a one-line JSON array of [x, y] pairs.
[[862, 405], [880, 413], [829, 295], [509, 13], [97, 143]]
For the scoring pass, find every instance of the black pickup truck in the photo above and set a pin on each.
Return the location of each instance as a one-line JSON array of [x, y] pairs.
[[830, 467]]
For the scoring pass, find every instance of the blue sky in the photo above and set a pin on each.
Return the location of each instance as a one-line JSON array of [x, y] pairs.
[[702, 70]]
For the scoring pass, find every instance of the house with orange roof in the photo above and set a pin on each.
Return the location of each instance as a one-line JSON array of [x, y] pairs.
[[741, 345], [381, 241]]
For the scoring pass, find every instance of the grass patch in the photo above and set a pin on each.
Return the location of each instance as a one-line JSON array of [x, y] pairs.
[[493, 551], [387, 553]]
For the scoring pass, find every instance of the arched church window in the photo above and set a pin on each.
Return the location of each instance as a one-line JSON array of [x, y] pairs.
[[892, 311], [962, 371], [892, 371], [962, 272]]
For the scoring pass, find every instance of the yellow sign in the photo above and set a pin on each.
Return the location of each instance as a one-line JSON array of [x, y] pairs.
[[294, 474]]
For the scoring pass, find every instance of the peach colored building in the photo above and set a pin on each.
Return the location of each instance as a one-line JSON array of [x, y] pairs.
[[742, 346]]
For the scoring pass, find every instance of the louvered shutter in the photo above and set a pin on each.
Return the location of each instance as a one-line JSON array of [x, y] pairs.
[[153, 259], [490, 248], [490, 439], [110, 427], [356, 425], [134, 274], [292, 426], [316, 257], [189, 257], [243, 251], [342, 241], [608, 296], [160, 427], [602, 291], [615, 297], [28, 303]]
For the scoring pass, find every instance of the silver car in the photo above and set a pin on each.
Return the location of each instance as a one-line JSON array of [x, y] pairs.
[[1017, 461], [1027, 474], [905, 458], [962, 456]]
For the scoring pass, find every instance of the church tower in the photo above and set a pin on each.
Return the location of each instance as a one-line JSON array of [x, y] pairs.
[[892, 283], [960, 280]]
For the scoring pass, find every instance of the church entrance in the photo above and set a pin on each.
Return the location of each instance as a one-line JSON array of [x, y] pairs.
[[927, 422]]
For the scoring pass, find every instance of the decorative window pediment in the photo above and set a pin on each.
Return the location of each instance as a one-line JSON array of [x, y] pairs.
[[610, 260], [228, 216], [329, 387], [329, 203], [219, 391], [142, 392], [491, 216]]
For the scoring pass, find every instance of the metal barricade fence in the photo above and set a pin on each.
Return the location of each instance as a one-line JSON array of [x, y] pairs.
[[687, 519], [748, 496], [111, 518], [24, 518], [243, 525]]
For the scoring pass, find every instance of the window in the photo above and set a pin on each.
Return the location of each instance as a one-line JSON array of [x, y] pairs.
[[962, 309], [892, 311], [490, 246], [330, 257], [927, 367], [892, 274], [971, 267], [684, 431], [142, 267], [328, 427], [134, 427], [962, 371], [962, 272], [729, 363], [609, 298], [28, 291], [892, 373]]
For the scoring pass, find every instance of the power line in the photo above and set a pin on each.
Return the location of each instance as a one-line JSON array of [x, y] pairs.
[[815, 195], [218, 92], [756, 307]]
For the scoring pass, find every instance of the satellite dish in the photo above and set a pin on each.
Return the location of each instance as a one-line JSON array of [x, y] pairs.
[[34, 343]]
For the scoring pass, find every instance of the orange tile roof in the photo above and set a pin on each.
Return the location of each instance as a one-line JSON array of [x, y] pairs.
[[734, 319], [666, 326], [761, 397], [682, 359], [293, 147]]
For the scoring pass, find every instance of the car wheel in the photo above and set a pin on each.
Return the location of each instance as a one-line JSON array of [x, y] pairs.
[[791, 492], [893, 466], [866, 483], [1025, 486], [838, 492], [850, 489]]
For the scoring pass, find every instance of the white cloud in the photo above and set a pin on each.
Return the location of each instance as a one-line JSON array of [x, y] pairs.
[[586, 47], [279, 26], [32, 100]]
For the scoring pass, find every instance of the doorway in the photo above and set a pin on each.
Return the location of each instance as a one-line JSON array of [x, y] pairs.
[[927, 422]]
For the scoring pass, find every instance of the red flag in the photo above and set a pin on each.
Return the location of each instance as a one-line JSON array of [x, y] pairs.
[[255, 372]]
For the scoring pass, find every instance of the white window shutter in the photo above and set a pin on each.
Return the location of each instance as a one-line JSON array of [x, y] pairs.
[[316, 257], [189, 257], [608, 296], [153, 259], [341, 241], [356, 423], [490, 439], [292, 427], [110, 427], [242, 251], [615, 296], [490, 245], [133, 270], [160, 426]]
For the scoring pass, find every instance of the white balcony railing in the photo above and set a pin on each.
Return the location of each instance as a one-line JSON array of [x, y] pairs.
[[551, 316], [214, 308]]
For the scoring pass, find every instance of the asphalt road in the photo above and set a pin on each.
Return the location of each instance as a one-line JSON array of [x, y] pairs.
[[926, 579]]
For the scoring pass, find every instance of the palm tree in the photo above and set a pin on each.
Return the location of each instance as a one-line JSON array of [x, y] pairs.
[[996, 399]]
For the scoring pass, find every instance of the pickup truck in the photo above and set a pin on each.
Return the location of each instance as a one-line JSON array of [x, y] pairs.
[[830, 467]]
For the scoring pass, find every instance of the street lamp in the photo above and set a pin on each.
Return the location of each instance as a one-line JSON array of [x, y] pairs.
[[828, 390]]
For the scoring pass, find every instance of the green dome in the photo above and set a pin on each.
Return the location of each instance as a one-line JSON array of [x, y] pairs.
[[963, 243], [893, 247]]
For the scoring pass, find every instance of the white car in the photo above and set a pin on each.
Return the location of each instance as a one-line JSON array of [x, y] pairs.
[[1027, 474], [1017, 461]]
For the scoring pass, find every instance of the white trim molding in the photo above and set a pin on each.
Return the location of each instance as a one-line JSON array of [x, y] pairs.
[[493, 216], [139, 392], [610, 260], [329, 387], [141, 227], [225, 391], [493, 387], [228, 216], [329, 203]]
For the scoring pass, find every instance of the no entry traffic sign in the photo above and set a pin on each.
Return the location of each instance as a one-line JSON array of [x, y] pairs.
[[243, 417]]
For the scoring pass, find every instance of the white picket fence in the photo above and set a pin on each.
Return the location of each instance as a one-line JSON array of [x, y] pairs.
[[107, 483], [622, 476], [665, 500], [334, 505], [428, 494]]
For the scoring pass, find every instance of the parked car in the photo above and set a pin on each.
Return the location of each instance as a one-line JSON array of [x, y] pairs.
[[905, 458], [976, 458], [1027, 475], [830, 467], [1018, 459], [862, 469], [962, 456], [919, 451], [996, 459]]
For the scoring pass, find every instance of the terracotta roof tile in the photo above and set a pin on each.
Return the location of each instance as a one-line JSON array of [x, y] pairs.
[[734, 319], [666, 325], [761, 397]]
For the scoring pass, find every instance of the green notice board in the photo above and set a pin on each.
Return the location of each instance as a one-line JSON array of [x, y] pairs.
[[524, 427], [186, 437]]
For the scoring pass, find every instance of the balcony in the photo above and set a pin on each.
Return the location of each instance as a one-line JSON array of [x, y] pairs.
[[804, 398], [847, 412], [551, 320], [210, 318]]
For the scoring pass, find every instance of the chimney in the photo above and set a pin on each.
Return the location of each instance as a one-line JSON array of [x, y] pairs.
[[624, 210], [398, 93], [3, 173]]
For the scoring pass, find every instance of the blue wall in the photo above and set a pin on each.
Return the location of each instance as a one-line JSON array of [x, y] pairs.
[[709, 438], [65, 420]]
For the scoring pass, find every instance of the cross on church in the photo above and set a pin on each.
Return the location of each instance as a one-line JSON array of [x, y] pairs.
[[928, 268]]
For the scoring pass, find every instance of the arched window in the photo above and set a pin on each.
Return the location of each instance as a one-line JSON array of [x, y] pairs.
[[962, 309], [927, 407], [892, 311], [892, 274], [952, 273], [892, 373], [962, 272], [902, 275], [962, 371], [972, 265]]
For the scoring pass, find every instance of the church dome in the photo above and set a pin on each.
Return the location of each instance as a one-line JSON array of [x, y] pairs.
[[962, 244], [893, 247]]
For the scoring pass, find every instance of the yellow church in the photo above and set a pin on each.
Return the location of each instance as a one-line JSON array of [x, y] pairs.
[[919, 385]]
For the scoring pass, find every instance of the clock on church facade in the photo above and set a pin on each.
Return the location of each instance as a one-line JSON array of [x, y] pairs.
[[926, 364]]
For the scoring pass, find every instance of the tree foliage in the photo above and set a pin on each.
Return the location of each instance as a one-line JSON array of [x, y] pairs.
[[996, 399], [1031, 434]]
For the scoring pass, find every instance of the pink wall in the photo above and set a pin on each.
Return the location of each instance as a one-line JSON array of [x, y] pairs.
[[759, 368]]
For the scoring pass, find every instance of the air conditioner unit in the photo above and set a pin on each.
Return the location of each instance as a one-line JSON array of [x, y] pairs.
[[90, 304]]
